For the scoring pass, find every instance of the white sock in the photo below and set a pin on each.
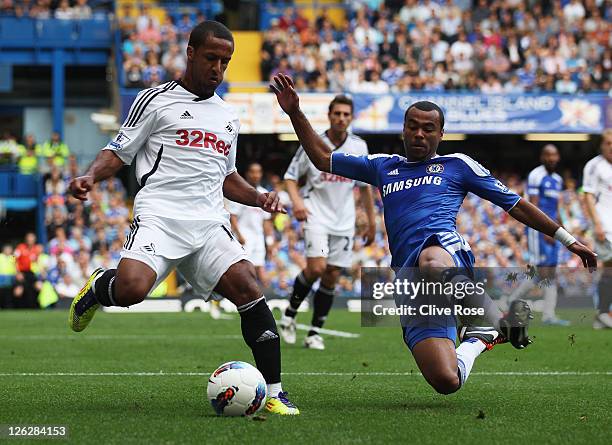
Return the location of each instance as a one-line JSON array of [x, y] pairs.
[[550, 301], [274, 389], [521, 290], [466, 354]]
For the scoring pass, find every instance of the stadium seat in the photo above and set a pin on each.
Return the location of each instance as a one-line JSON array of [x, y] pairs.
[[13, 30], [94, 33], [25, 185], [52, 32], [5, 184]]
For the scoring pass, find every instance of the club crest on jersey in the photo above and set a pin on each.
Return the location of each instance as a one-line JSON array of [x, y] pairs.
[[119, 140], [434, 168]]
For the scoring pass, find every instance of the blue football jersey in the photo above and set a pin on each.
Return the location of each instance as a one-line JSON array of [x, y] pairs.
[[421, 199], [547, 187]]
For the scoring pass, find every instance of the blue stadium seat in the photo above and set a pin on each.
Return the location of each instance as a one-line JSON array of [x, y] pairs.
[[94, 33], [53, 31], [5, 184], [25, 185], [13, 30]]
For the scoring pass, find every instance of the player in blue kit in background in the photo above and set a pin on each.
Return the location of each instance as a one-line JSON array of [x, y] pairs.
[[422, 193], [544, 188]]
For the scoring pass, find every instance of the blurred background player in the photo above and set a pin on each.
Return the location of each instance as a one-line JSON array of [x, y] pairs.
[[597, 187], [251, 225], [544, 188], [326, 205], [253, 229]]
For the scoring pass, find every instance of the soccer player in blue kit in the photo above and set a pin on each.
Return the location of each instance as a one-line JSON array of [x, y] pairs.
[[421, 194], [544, 187]]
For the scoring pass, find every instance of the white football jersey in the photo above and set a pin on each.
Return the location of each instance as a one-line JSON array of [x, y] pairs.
[[184, 148], [250, 220], [597, 179], [328, 197]]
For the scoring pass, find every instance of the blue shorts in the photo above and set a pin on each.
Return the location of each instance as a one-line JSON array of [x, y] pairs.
[[438, 327], [541, 252]]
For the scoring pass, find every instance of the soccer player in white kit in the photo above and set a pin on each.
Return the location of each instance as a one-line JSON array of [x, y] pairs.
[[252, 225], [326, 205], [597, 187], [183, 137]]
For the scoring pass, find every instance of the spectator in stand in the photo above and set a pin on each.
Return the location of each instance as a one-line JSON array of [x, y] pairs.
[[27, 284], [127, 22], [492, 85], [514, 86], [28, 161], [81, 10], [184, 27], [64, 11], [55, 150], [8, 271], [144, 18], [566, 85]]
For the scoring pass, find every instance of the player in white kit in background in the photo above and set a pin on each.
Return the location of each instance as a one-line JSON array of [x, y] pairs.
[[597, 187], [327, 206], [253, 226], [183, 137]]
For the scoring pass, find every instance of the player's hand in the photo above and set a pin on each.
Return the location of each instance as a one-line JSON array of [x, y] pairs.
[[79, 187], [369, 236], [270, 202], [589, 258], [285, 93], [600, 235], [300, 211]]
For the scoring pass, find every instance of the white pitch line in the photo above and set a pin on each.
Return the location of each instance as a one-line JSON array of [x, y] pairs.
[[305, 327], [312, 374], [121, 337]]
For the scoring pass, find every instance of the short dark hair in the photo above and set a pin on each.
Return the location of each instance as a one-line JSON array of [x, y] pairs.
[[425, 105], [208, 28], [341, 99]]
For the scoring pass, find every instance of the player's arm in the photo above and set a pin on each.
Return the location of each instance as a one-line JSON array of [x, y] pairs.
[[268, 227], [236, 229], [533, 217], [478, 180], [236, 189], [365, 193], [299, 208], [348, 165], [106, 164], [316, 149], [598, 230]]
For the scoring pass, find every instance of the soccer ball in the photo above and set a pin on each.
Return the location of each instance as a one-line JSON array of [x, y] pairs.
[[236, 389]]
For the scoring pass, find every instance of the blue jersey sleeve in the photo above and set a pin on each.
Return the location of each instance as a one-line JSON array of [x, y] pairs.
[[478, 180], [361, 168]]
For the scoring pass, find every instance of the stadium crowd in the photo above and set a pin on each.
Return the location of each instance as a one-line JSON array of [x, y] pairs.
[[47, 9], [509, 46], [84, 236]]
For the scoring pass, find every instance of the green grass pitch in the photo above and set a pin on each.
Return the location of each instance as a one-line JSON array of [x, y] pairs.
[[364, 390]]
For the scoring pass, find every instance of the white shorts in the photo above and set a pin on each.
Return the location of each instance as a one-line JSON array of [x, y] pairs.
[[256, 251], [201, 251], [337, 249]]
